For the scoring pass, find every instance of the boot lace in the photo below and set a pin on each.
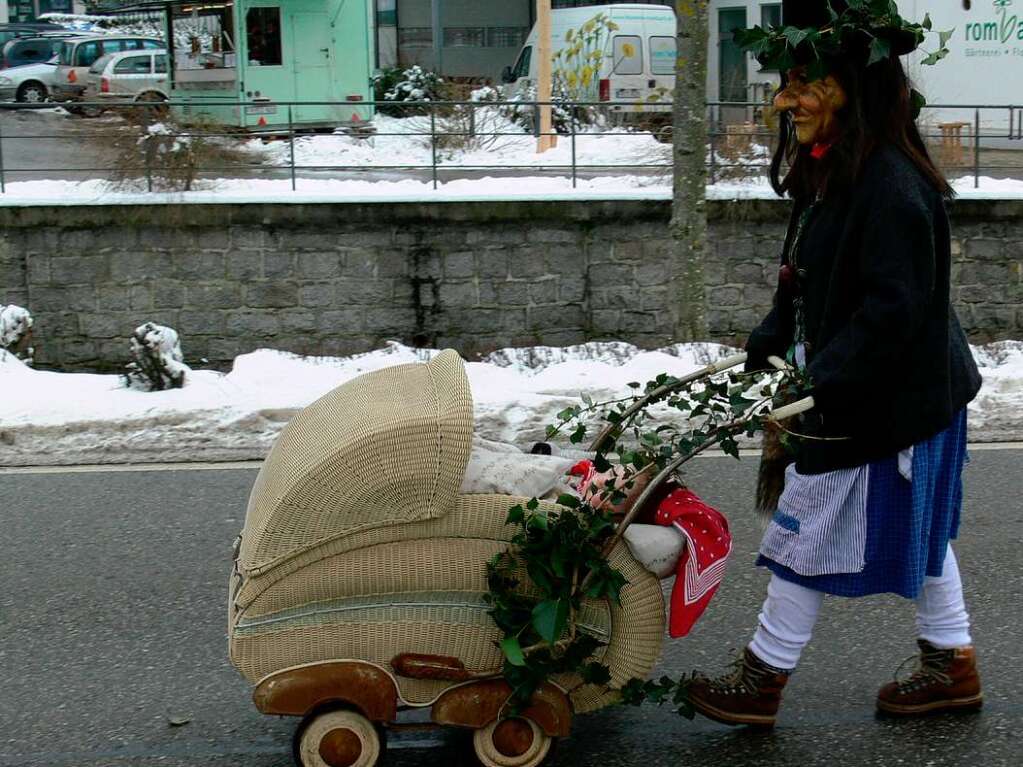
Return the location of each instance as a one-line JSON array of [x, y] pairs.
[[745, 677], [930, 670]]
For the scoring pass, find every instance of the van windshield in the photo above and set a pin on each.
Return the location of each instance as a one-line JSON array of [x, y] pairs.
[[521, 68]]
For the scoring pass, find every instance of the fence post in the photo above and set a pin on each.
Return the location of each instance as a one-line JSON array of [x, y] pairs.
[[571, 127], [976, 148], [149, 161], [433, 145], [472, 118], [713, 149], [3, 180], [291, 141]]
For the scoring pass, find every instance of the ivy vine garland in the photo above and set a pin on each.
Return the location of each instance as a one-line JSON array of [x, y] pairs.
[[558, 556], [871, 25]]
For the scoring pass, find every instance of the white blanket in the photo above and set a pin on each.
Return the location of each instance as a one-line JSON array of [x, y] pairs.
[[497, 467]]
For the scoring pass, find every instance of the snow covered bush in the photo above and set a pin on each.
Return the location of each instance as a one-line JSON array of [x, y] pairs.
[[16, 332], [468, 128], [564, 116], [405, 86], [158, 362], [171, 156]]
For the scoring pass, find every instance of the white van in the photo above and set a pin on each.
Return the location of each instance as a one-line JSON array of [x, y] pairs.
[[639, 56]]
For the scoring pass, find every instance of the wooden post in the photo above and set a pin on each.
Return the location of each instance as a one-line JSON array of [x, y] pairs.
[[547, 139]]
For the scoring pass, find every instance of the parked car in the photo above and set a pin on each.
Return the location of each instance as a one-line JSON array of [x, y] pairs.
[[33, 49], [29, 84], [11, 31], [125, 78], [78, 54]]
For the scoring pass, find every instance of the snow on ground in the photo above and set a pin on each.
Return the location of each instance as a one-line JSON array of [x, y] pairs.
[[406, 142], [488, 188], [49, 418]]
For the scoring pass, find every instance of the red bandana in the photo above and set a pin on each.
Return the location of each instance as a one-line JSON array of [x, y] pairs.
[[702, 565]]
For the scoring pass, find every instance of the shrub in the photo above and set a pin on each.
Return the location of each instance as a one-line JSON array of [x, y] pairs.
[[16, 332], [407, 86], [158, 363]]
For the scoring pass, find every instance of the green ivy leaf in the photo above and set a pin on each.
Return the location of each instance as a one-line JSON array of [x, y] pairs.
[[532, 504], [550, 618], [515, 515], [513, 651], [879, 50], [578, 435]]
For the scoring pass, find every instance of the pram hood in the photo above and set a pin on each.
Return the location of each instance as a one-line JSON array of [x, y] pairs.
[[386, 448]]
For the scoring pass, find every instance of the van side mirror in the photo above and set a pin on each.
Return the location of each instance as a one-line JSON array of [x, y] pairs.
[[507, 76]]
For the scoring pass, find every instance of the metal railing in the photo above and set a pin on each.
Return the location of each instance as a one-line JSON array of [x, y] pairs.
[[739, 144]]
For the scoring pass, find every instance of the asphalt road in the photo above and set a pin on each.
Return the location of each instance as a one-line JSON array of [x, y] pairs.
[[112, 623]]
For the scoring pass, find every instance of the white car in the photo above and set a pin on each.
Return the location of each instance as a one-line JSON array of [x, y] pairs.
[[30, 84]]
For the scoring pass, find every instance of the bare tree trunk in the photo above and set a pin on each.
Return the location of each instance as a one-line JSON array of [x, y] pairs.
[[689, 207]]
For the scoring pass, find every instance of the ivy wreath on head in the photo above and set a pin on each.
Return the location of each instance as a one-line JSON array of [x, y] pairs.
[[871, 27]]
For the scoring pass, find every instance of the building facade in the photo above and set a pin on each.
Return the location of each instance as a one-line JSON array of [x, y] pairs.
[[31, 10], [460, 38]]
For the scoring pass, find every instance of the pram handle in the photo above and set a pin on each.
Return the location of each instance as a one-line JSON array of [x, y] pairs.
[[778, 414], [795, 408]]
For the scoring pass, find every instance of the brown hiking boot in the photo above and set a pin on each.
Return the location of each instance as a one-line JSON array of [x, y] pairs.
[[944, 680], [750, 694]]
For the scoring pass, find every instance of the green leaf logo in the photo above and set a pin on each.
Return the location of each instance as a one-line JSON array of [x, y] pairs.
[[1008, 25]]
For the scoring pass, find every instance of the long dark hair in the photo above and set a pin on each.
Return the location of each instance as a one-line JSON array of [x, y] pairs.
[[878, 111]]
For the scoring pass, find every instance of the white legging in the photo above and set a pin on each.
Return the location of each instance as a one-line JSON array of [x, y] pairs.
[[790, 611]]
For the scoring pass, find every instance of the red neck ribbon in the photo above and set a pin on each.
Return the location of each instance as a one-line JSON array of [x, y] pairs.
[[819, 150]]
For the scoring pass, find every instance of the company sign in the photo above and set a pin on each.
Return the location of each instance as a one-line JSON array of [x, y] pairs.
[[1000, 34]]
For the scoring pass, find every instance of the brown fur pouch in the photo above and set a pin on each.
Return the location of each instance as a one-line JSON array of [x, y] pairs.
[[774, 460]]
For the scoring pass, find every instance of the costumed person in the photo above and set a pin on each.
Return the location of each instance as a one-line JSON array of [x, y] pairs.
[[872, 497]]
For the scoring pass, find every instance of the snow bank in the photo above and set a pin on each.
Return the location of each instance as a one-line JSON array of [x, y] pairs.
[[487, 188], [49, 418]]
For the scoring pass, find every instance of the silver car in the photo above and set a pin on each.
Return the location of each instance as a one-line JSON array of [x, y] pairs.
[[124, 78], [77, 55], [30, 84]]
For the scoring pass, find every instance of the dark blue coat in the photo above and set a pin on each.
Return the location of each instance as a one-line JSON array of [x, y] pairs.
[[889, 363]]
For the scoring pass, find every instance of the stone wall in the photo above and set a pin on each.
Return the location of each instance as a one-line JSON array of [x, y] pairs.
[[342, 278]]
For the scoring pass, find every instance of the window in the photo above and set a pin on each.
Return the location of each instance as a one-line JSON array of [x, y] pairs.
[[99, 64], [770, 15], [85, 54], [732, 62], [152, 45], [464, 37], [506, 37], [628, 55], [134, 65], [415, 37], [29, 52], [663, 52], [117, 46], [521, 68], [161, 63], [263, 35]]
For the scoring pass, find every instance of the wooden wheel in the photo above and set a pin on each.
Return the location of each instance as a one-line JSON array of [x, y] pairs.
[[513, 742], [337, 738]]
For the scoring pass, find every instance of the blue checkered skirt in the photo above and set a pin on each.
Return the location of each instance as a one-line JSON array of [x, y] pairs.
[[869, 530]]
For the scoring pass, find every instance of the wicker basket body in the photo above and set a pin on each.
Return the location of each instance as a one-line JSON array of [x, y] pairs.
[[358, 546]]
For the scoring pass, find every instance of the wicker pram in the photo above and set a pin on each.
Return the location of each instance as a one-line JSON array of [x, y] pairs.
[[358, 548]]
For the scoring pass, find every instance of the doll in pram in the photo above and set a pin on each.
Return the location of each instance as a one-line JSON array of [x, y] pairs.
[[360, 575]]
